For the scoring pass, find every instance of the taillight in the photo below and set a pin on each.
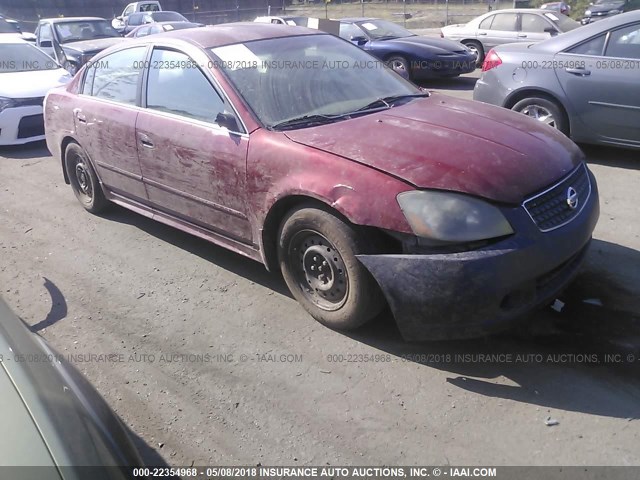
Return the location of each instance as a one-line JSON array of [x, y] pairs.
[[492, 60]]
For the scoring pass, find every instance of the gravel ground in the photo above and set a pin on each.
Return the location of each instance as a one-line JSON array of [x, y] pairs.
[[219, 365]]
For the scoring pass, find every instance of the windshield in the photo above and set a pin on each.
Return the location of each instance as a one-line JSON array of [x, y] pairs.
[[168, 17], [287, 78], [84, 30], [563, 22], [8, 27], [22, 57], [379, 29]]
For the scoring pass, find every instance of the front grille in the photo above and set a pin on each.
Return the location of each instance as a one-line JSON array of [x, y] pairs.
[[31, 126], [28, 102], [550, 208]]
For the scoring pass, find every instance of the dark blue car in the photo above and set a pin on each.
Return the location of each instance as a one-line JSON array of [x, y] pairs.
[[413, 56]]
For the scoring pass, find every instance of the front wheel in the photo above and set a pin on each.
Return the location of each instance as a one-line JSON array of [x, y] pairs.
[[477, 49], [83, 179], [317, 255], [543, 110], [400, 65]]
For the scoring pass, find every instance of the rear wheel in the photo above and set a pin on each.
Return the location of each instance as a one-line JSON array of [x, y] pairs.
[[544, 110], [317, 255], [477, 49], [400, 65], [83, 179]]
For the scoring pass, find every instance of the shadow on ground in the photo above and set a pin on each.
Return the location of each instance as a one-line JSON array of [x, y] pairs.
[[26, 152], [612, 157], [219, 256], [58, 307], [457, 83]]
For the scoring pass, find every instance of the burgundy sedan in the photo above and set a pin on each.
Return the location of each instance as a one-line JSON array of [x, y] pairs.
[[301, 151]]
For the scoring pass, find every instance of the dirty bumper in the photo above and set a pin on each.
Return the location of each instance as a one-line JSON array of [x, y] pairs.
[[468, 294]]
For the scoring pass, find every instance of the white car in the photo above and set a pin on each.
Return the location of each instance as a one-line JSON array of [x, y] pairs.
[[120, 22], [284, 20], [26, 75]]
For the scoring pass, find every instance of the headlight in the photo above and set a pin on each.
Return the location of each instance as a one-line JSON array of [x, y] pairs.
[[587, 12], [452, 217], [6, 103]]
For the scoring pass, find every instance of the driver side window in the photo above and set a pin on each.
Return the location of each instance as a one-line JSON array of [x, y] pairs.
[[624, 43], [183, 91], [45, 33], [349, 30]]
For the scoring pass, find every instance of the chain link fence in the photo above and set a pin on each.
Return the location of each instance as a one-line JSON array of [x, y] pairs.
[[413, 14]]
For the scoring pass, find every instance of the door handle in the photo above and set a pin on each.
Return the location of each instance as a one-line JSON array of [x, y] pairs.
[[81, 118], [482, 33], [522, 35], [581, 72], [145, 141]]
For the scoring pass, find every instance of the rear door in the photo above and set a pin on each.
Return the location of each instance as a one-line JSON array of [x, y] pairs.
[[602, 82], [502, 29], [105, 119], [193, 168]]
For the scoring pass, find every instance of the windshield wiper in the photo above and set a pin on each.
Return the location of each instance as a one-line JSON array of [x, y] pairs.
[[305, 120], [387, 102]]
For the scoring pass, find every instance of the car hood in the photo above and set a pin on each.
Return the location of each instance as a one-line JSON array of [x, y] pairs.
[[436, 44], [95, 45], [33, 83], [445, 143]]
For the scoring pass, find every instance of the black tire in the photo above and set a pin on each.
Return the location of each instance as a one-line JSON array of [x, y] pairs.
[[400, 65], [477, 48], [83, 179], [347, 296], [545, 110]]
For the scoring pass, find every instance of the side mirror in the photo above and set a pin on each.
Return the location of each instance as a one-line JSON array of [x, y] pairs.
[[46, 44], [228, 121], [552, 31], [359, 40], [119, 18]]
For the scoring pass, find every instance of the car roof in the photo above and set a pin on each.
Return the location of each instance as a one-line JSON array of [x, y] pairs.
[[212, 36], [71, 19]]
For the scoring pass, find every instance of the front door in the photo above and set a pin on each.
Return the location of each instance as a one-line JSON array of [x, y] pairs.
[[193, 168]]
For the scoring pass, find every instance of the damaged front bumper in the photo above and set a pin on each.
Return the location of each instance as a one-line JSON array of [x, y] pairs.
[[473, 293]]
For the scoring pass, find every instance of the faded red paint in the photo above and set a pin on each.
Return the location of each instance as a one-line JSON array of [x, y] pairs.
[[221, 186]]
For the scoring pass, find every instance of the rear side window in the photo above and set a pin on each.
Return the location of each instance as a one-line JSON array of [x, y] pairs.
[[486, 23], [593, 47], [505, 22], [117, 75], [624, 43], [183, 90], [534, 23]]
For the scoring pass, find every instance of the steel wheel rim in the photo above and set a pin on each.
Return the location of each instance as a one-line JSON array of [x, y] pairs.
[[540, 113], [319, 270], [82, 179]]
